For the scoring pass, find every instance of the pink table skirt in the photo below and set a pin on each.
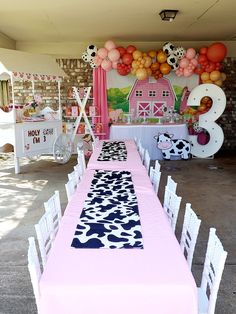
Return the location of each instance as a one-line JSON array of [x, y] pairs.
[[133, 161], [152, 280]]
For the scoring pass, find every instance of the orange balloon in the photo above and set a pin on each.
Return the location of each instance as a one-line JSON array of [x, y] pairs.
[[219, 82], [152, 53], [223, 76], [135, 64], [208, 81], [144, 54], [205, 76], [155, 66], [148, 62], [161, 57], [149, 71], [137, 54], [165, 68], [215, 75], [141, 74]]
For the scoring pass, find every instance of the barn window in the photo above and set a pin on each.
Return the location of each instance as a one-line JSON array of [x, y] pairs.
[[165, 93], [138, 93], [152, 93]]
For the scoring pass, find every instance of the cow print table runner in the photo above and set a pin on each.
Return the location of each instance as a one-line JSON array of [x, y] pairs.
[[110, 217], [115, 150]]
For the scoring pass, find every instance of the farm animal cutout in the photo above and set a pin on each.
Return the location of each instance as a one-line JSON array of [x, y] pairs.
[[173, 147]]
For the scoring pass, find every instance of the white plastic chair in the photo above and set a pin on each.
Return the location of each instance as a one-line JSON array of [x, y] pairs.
[[70, 188], [171, 184], [212, 273], [44, 234], [74, 177], [53, 208], [142, 153], [139, 145], [79, 172], [189, 234], [147, 160], [95, 143], [34, 268], [155, 177], [157, 166], [171, 205], [81, 159]]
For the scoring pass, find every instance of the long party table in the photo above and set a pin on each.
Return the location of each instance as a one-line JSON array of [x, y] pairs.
[[152, 279], [146, 133]]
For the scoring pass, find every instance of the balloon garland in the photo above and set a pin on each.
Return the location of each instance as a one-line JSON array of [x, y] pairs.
[[184, 62]]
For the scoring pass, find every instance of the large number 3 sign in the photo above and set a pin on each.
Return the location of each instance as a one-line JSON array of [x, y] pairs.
[[207, 120]]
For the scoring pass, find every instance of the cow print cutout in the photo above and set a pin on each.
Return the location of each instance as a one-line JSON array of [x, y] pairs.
[[110, 216], [115, 150]]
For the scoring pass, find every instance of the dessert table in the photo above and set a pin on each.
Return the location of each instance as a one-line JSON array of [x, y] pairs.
[[149, 275], [146, 133]]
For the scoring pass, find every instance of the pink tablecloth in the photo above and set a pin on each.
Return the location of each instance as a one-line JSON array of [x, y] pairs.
[[152, 280], [133, 161]]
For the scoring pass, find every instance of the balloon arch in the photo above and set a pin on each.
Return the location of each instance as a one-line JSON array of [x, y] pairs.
[[207, 62]]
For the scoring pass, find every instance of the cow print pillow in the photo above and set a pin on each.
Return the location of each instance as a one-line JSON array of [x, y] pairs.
[[110, 217], [113, 151]]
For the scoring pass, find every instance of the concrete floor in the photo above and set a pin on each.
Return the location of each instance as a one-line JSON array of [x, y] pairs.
[[208, 184]]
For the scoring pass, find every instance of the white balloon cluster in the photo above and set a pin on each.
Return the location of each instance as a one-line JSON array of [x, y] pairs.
[[89, 55]]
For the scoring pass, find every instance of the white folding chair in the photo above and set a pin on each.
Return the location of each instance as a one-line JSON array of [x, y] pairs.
[[155, 177], [34, 268], [171, 184], [53, 208], [171, 205], [70, 188], [44, 236], [189, 234], [157, 166], [212, 273], [147, 160]]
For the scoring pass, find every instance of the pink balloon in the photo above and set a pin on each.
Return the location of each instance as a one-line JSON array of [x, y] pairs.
[[109, 45], [114, 55], [97, 60], [184, 63], [190, 53], [194, 62], [187, 72], [106, 65], [114, 64], [102, 53]]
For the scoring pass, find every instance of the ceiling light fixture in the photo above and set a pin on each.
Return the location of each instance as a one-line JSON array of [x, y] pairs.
[[168, 15]]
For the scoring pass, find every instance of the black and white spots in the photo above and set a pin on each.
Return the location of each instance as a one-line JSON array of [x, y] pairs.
[[115, 150], [110, 217]]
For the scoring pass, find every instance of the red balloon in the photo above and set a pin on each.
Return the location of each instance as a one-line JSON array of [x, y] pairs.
[[203, 51], [198, 71], [121, 50], [216, 52], [130, 49], [127, 58], [202, 58], [122, 71]]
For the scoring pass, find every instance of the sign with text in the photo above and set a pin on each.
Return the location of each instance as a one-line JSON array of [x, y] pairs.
[[38, 138]]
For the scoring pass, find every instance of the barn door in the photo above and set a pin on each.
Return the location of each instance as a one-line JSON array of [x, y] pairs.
[[144, 109]]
